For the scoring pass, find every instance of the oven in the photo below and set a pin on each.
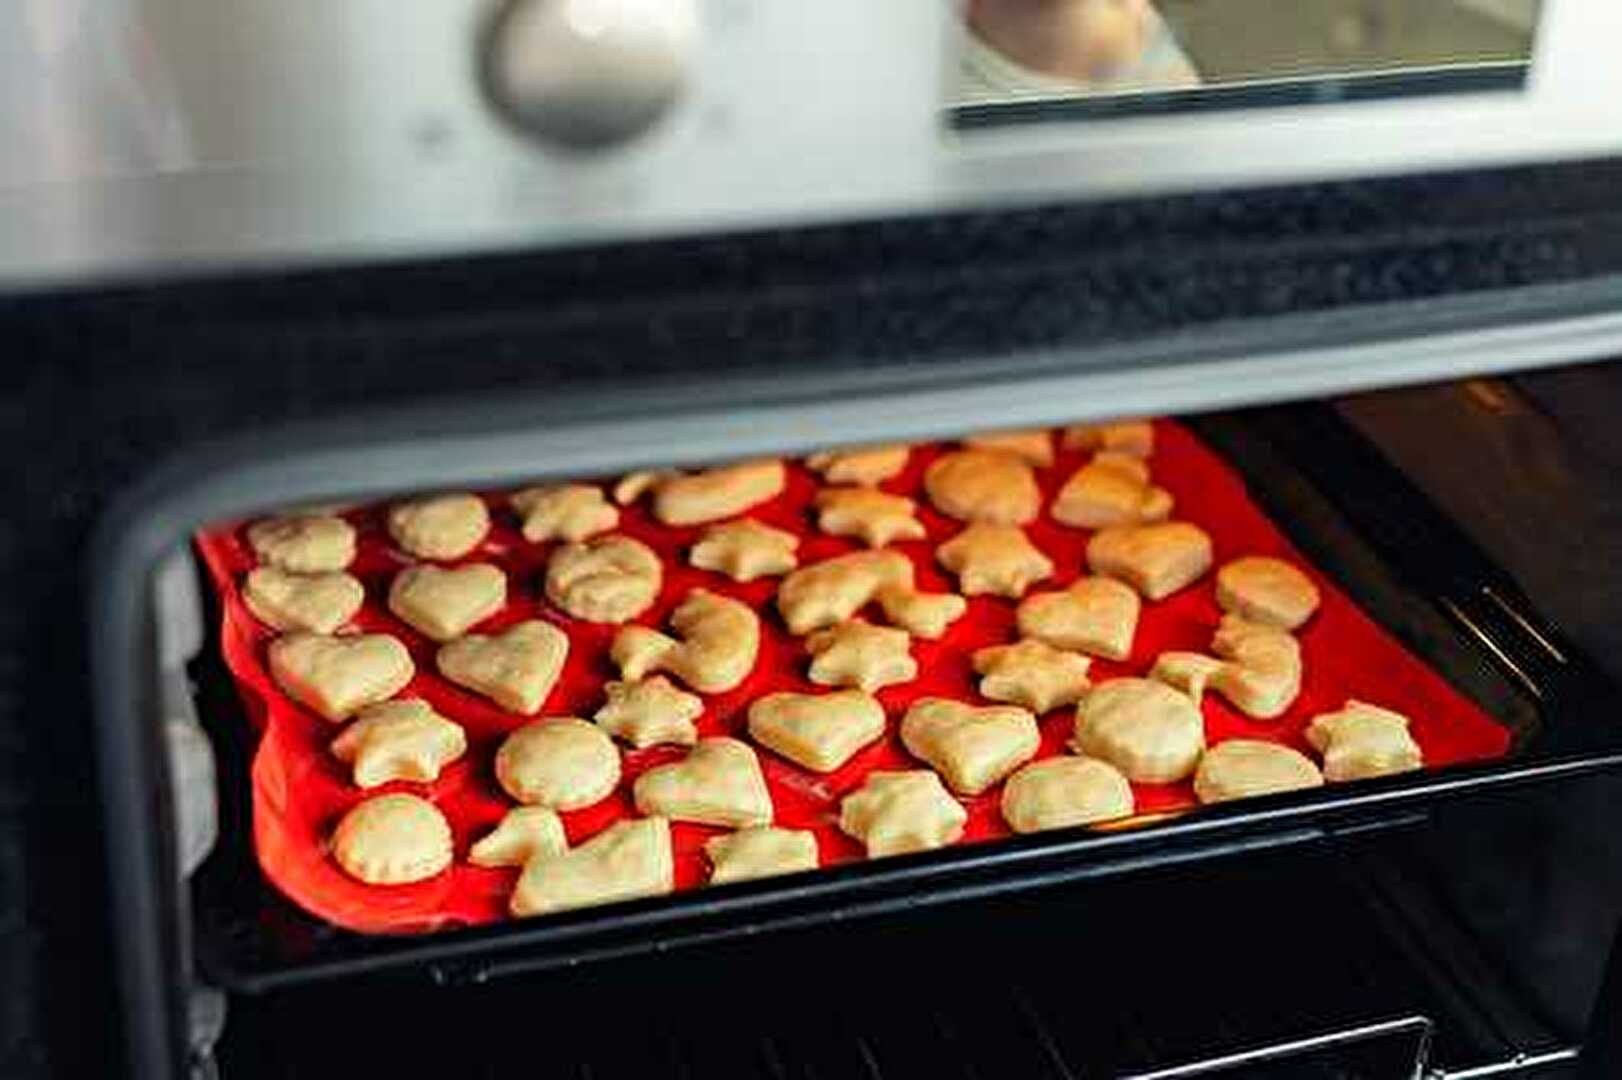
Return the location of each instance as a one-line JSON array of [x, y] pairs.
[[1358, 260]]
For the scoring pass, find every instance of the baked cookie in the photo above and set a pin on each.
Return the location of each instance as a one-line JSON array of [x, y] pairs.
[[445, 603], [1134, 437], [760, 852], [1243, 768], [440, 526], [925, 615], [1266, 591], [392, 839], [1065, 791], [745, 550], [893, 813], [985, 486], [876, 518], [524, 833], [855, 653], [718, 783], [399, 740], [516, 668], [1149, 731], [561, 762], [1190, 672], [695, 498], [972, 748], [308, 544], [320, 603], [1095, 615], [564, 512], [819, 731], [1032, 674], [868, 466], [831, 591], [649, 712], [1263, 674], [610, 579], [718, 640], [1362, 741], [1035, 447], [995, 559], [632, 486], [627, 860], [1110, 490], [338, 676], [1156, 560]]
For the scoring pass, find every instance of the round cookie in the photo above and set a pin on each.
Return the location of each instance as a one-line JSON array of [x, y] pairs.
[[985, 486], [1267, 591], [1243, 768], [1064, 791], [440, 526], [1149, 731], [392, 840], [562, 762], [608, 580]]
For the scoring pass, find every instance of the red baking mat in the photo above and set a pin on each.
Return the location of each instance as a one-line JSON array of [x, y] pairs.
[[300, 791]]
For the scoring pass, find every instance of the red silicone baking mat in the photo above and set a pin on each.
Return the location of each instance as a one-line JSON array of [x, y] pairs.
[[300, 791]]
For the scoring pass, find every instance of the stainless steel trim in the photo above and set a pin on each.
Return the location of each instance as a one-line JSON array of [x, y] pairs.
[[1419, 1026]]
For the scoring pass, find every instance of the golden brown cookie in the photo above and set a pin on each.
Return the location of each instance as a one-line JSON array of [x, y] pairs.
[[925, 615], [1095, 615], [1361, 741], [560, 761], [760, 852], [972, 748], [392, 839], [338, 676], [696, 498], [745, 550], [1266, 591], [831, 591], [1157, 560], [1134, 437], [893, 813], [320, 603], [1149, 731], [564, 512], [1035, 447], [855, 653], [983, 486], [1065, 791], [868, 466], [717, 643], [995, 559], [1110, 492], [524, 833], [1032, 674], [649, 712], [440, 526], [609, 579], [718, 783], [404, 739], [516, 668], [876, 518], [1244, 768]]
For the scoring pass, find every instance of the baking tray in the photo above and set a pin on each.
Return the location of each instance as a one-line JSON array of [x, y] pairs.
[[1468, 623]]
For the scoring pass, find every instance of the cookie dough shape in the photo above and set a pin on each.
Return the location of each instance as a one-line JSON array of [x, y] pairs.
[[1034, 447], [925, 615], [760, 852], [392, 839], [972, 748], [446, 603], [893, 813], [856, 653], [696, 498], [1267, 591], [876, 518], [868, 466], [1263, 674], [306, 544], [1244, 768], [559, 762], [650, 712], [1032, 674], [627, 860], [745, 550], [610, 579], [718, 783], [831, 591], [1157, 560], [1065, 791], [1095, 615], [320, 603], [1110, 491], [516, 668], [819, 731], [632, 486], [1149, 731], [717, 644], [338, 676], [440, 526], [983, 486], [1133, 437], [1362, 741], [995, 559], [399, 740], [564, 512], [524, 833]]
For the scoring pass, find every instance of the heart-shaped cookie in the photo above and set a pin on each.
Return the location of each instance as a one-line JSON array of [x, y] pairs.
[[972, 748], [439, 526], [338, 676], [515, 668], [819, 731], [316, 602], [628, 859], [446, 603], [719, 783], [1095, 615]]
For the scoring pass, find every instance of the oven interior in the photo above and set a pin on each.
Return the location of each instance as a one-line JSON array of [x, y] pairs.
[[1357, 936]]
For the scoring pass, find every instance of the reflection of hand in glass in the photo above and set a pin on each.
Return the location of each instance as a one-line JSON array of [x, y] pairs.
[[1078, 41]]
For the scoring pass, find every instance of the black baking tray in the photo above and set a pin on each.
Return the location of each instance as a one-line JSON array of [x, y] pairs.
[[1348, 509]]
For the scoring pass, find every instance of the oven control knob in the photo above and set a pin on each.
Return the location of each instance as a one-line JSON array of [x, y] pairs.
[[589, 74]]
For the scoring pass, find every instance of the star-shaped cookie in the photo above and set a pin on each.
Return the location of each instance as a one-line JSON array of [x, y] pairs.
[[856, 653], [877, 518], [649, 712], [1032, 674], [399, 740], [564, 512], [868, 466], [995, 559], [745, 550], [893, 813]]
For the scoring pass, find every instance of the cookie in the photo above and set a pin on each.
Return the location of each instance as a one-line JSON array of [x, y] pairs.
[[338, 676], [760, 852], [649, 712], [983, 486], [1263, 674], [445, 603], [819, 731], [868, 466], [306, 544], [560, 762], [1244, 768], [392, 839], [319, 603], [563, 512], [718, 783], [399, 740], [632, 486], [894, 813], [1266, 591], [1032, 674], [696, 498], [855, 653], [1133, 437], [610, 579], [516, 668], [1149, 731], [876, 518], [1033, 447], [995, 559], [745, 550], [717, 643], [1107, 492], [1361, 741], [925, 615], [440, 526], [1095, 615], [972, 748], [1157, 560], [1063, 792], [831, 591], [524, 833], [627, 860]]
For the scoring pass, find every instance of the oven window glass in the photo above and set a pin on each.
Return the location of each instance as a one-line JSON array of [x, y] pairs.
[[1023, 60]]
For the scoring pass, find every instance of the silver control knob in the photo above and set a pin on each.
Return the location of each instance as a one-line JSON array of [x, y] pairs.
[[589, 74]]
